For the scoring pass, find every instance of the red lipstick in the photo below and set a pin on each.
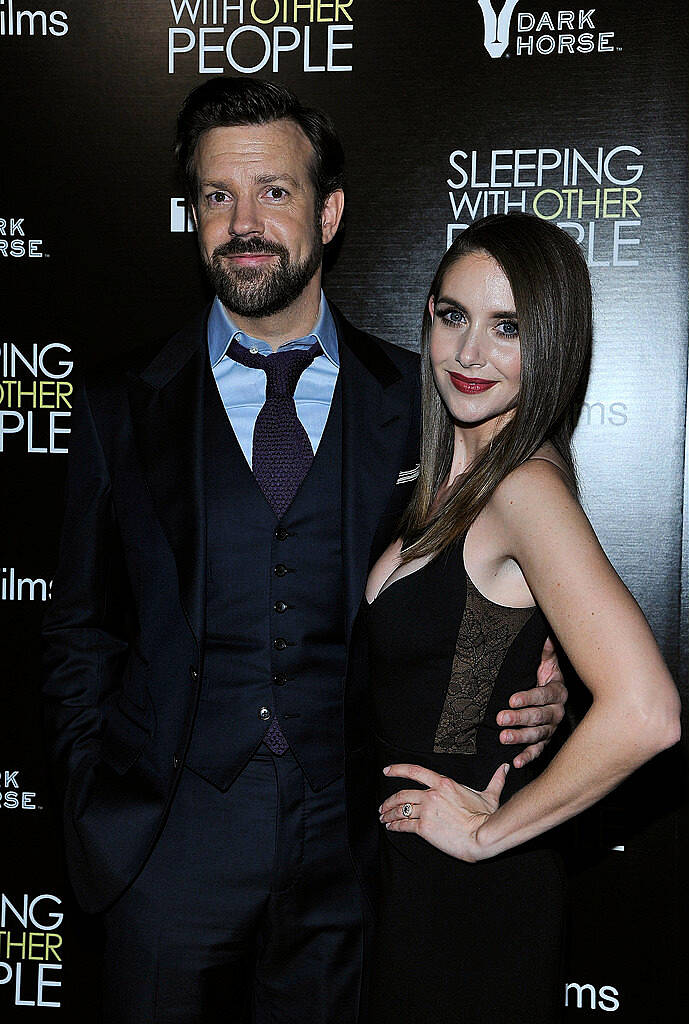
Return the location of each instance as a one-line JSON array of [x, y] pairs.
[[471, 385]]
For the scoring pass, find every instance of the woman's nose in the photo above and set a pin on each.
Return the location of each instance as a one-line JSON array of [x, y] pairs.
[[470, 350]]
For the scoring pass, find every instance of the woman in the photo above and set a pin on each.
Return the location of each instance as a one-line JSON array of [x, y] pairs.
[[494, 553]]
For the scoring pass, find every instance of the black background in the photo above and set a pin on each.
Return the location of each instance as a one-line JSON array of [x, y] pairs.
[[87, 162]]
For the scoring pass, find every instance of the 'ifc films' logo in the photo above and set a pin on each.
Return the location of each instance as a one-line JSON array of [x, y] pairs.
[[571, 31], [16, 22]]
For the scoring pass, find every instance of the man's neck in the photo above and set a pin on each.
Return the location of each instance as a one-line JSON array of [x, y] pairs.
[[296, 321]]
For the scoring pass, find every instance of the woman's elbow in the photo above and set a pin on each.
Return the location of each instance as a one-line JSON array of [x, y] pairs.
[[664, 727], [673, 728], [652, 721]]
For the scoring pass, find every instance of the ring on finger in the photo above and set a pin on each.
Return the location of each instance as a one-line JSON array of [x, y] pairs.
[[407, 809]]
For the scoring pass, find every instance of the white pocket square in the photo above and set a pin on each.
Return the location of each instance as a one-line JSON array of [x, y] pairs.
[[408, 475]]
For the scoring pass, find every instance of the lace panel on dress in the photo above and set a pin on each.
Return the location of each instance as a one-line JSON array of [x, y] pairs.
[[486, 634]]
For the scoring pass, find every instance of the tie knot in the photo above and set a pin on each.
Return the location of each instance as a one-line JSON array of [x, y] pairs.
[[282, 369]]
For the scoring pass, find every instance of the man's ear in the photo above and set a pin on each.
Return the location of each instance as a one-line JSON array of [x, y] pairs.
[[332, 215]]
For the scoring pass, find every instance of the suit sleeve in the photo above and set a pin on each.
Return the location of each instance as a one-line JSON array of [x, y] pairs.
[[84, 639]]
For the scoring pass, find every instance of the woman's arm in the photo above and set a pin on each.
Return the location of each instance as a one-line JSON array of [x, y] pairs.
[[635, 708]]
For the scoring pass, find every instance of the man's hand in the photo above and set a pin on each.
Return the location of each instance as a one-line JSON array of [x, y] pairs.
[[536, 713]]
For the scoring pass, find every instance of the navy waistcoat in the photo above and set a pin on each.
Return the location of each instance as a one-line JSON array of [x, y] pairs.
[[275, 620]]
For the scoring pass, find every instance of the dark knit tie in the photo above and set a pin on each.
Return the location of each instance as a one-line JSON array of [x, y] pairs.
[[281, 453]]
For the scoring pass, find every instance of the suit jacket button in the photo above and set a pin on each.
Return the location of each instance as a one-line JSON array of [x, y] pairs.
[[280, 569], [264, 714], [279, 643], [193, 672], [176, 761], [280, 606]]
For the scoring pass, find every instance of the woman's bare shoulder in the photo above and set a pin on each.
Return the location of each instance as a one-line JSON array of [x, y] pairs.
[[549, 455], [542, 481]]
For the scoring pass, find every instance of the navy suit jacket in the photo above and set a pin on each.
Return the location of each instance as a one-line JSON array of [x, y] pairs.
[[123, 635]]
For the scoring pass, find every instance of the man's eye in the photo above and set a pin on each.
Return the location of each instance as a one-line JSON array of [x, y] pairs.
[[276, 192], [218, 197]]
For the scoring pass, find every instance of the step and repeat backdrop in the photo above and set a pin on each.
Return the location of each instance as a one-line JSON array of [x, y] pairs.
[[448, 110]]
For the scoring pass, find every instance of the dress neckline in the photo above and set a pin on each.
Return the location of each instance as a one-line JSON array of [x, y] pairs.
[[389, 583]]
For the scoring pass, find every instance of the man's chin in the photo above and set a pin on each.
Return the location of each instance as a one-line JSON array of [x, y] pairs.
[[251, 303], [246, 275], [259, 291]]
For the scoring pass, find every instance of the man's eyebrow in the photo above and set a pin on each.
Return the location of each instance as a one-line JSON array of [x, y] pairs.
[[260, 179], [270, 179]]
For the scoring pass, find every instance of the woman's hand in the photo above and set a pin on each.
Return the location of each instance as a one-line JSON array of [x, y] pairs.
[[446, 814]]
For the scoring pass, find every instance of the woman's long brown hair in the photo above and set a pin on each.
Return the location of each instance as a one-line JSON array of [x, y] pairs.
[[552, 293]]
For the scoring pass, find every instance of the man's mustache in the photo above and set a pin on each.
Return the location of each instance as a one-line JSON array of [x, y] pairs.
[[253, 246]]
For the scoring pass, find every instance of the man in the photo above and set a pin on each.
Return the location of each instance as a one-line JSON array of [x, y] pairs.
[[210, 572]]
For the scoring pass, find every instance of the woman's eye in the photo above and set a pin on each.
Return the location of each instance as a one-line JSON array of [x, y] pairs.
[[510, 328], [454, 317]]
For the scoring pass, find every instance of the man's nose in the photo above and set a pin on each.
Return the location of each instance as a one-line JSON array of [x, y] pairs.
[[470, 349], [245, 217]]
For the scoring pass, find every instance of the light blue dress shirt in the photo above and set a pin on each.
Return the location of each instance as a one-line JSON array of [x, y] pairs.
[[243, 388]]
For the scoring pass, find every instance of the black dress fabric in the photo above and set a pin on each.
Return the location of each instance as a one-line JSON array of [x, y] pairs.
[[458, 943]]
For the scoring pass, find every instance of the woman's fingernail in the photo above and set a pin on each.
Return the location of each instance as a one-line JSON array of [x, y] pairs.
[[386, 771]]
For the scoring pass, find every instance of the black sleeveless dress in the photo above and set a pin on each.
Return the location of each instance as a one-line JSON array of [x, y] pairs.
[[458, 943]]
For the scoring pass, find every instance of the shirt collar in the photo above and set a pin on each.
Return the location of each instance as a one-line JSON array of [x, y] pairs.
[[222, 329]]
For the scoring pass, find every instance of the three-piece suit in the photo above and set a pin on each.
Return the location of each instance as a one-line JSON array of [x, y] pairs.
[[186, 617]]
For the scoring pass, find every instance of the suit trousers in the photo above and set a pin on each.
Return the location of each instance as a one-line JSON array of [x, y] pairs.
[[247, 909]]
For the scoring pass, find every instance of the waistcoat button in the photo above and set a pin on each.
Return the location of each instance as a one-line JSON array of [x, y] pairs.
[[280, 569], [264, 714], [281, 533], [279, 643], [279, 678], [193, 672], [280, 606]]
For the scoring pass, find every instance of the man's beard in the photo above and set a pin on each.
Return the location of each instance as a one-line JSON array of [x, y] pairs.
[[260, 291]]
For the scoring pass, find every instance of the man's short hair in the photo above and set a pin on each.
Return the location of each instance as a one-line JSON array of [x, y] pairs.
[[228, 101]]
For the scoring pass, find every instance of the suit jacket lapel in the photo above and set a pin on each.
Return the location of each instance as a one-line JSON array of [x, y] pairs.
[[376, 409], [167, 402]]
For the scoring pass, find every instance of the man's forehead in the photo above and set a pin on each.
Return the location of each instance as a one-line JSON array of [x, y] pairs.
[[274, 146]]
